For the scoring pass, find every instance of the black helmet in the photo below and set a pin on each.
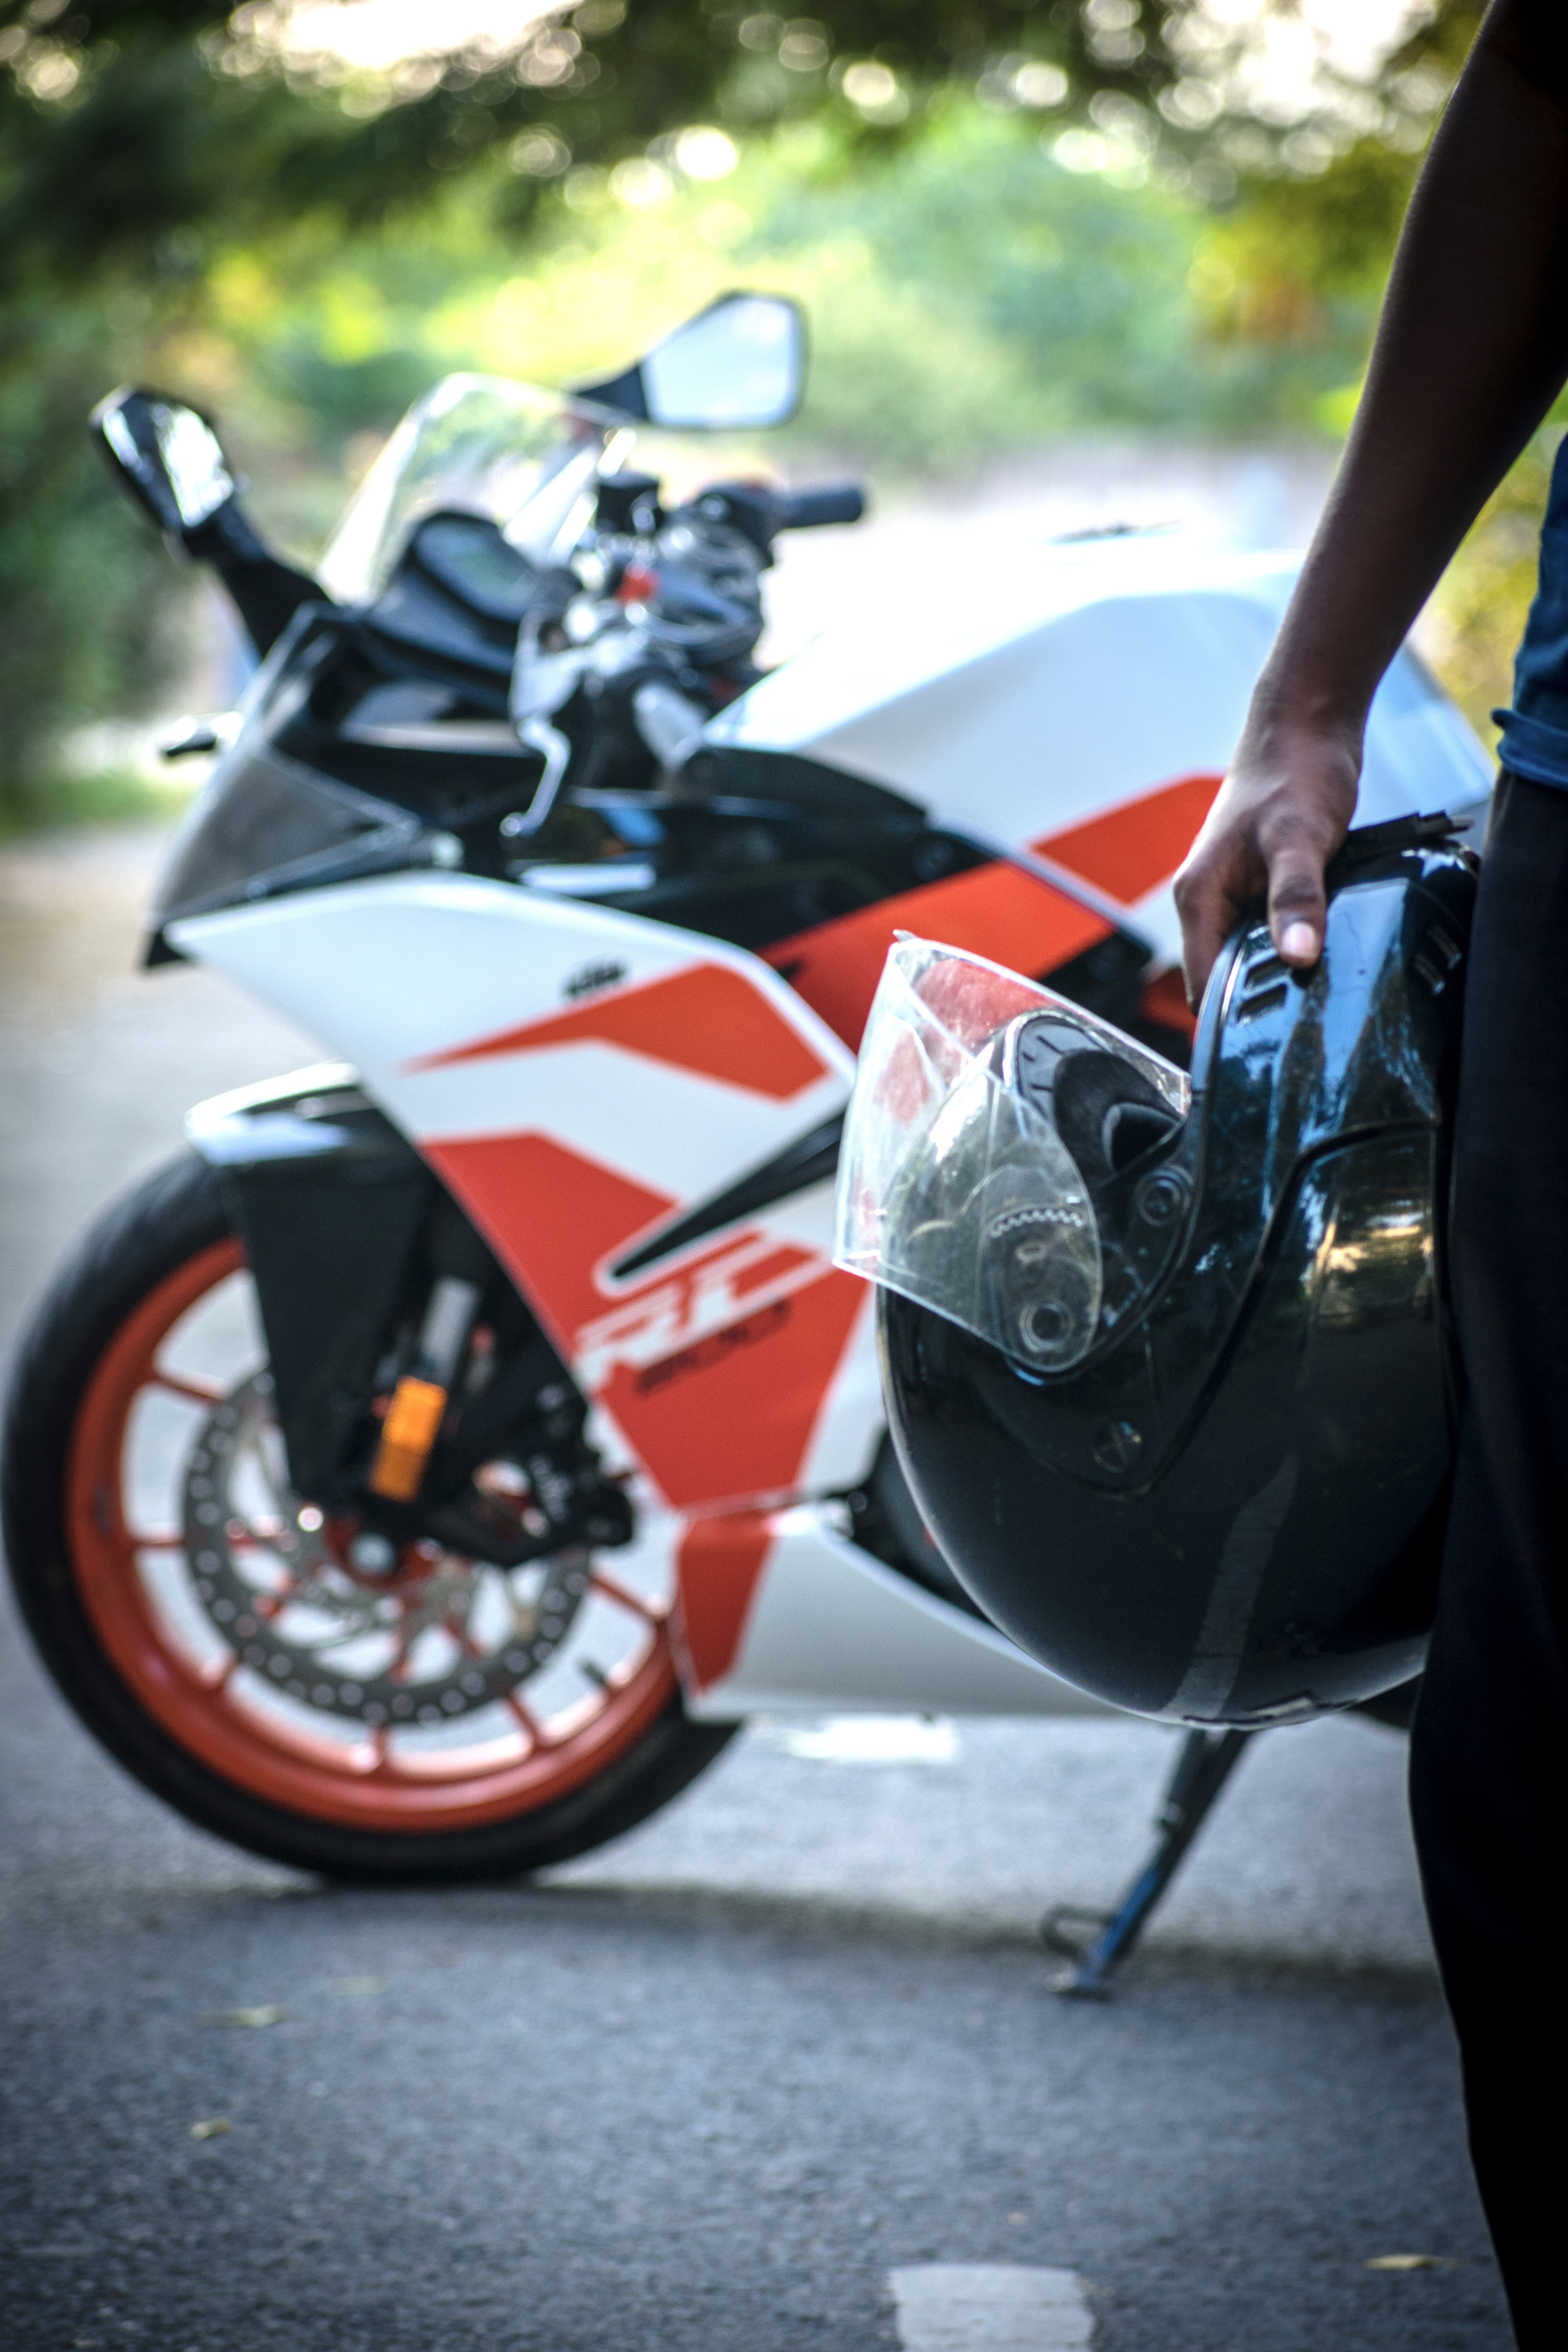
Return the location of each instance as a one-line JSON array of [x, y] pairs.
[[1170, 1370]]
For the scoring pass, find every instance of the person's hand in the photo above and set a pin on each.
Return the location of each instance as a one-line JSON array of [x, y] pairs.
[[1282, 812]]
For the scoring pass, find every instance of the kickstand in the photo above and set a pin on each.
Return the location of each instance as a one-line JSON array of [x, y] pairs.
[[1206, 1763]]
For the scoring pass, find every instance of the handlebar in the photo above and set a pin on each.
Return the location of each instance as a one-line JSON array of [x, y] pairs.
[[810, 510], [703, 593], [759, 513]]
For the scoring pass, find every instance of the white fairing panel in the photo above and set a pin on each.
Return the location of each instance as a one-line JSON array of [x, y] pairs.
[[892, 1647], [1097, 680], [432, 986]]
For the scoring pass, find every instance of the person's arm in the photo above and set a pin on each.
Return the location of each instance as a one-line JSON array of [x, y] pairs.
[[1471, 350]]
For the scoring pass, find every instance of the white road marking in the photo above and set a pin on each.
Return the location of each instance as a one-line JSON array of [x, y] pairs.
[[871, 1739], [990, 2307]]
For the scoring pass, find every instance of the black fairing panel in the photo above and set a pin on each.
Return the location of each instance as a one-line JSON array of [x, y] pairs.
[[1233, 1511], [266, 593], [330, 1201], [758, 846]]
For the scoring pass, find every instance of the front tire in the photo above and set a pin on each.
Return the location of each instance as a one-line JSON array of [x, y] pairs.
[[143, 1344]]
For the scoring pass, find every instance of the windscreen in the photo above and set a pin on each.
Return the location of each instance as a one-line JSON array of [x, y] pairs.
[[525, 459], [957, 1185]]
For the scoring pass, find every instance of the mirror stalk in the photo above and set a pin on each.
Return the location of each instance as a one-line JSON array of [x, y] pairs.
[[171, 460], [266, 593]]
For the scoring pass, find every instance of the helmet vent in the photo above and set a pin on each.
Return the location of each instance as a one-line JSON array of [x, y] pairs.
[[1263, 989], [1435, 958], [1258, 1001]]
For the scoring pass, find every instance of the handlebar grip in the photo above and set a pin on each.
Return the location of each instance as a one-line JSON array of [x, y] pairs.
[[807, 509]]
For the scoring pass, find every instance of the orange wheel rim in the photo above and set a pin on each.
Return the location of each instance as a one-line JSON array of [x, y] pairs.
[[378, 1781]]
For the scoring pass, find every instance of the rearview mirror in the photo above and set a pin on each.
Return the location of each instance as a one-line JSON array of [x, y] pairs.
[[168, 455], [738, 365]]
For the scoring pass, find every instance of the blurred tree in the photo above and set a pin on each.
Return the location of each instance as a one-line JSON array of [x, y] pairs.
[[1477, 617], [1316, 233], [143, 141], [129, 128], [83, 586], [1321, 220]]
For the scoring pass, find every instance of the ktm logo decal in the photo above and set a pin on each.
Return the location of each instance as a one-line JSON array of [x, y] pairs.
[[673, 1327]]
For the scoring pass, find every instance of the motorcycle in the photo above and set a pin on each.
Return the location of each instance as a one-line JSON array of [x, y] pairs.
[[424, 1474]]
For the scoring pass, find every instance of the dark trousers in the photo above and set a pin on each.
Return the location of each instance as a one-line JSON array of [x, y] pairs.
[[1488, 1766]]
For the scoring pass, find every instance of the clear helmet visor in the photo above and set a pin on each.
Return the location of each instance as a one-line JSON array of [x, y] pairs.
[[993, 1129]]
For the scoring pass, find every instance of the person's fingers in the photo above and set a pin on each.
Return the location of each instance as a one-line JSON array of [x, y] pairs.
[[1209, 912], [1296, 903], [1204, 932], [1280, 816]]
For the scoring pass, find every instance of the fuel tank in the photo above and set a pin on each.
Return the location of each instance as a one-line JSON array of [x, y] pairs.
[[1086, 708]]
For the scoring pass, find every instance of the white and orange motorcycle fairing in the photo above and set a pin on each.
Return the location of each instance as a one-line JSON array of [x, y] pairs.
[[734, 1375], [419, 1477]]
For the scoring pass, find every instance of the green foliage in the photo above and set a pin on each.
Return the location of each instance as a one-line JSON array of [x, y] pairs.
[[1283, 265], [125, 125], [82, 582], [303, 248], [968, 295], [1476, 619], [129, 130], [1072, 294], [92, 794]]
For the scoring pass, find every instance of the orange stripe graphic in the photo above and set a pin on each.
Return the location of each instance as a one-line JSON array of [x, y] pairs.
[[719, 1566], [1132, 848], [717, 1370], [705, 1018], [993, 910]]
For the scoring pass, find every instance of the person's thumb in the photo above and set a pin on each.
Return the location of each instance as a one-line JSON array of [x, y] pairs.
[[1296, 904]]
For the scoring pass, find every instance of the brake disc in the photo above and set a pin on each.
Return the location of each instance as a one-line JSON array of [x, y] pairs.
[[276, 1593]]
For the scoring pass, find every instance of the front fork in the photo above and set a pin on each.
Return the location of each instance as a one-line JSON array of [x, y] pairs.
[[415, 1389]]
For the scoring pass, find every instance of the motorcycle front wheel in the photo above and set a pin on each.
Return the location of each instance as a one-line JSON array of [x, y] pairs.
[[208, 1632]]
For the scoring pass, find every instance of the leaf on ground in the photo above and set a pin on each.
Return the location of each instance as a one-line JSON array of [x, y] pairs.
[[1409, 2263], [251, 2016], [210, 2127]]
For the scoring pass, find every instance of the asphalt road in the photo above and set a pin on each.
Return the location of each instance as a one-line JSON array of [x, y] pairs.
[[711, 2087]]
